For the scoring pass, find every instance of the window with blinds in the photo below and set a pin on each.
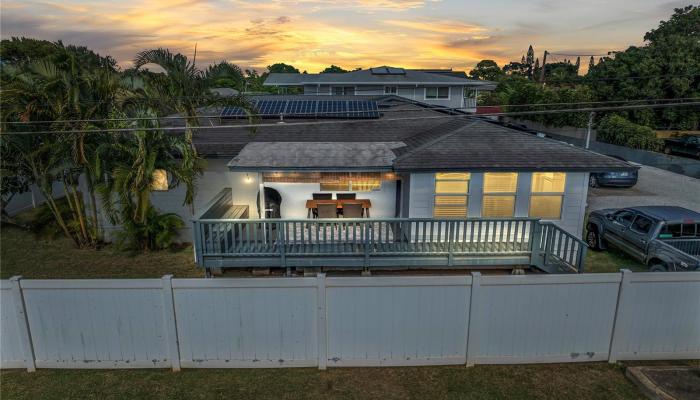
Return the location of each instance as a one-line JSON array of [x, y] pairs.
[[547, 194], [451, 194], [499, 194]]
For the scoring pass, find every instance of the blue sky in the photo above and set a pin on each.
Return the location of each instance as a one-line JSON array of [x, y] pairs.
[[312, 34]]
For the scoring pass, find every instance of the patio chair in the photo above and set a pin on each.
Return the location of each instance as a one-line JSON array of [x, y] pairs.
[[322, 196], [352, 210], [346, 196], [327, 211]]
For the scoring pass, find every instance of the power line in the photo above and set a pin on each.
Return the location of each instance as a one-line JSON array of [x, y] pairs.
[[311, 123], [322, 114], [581, 55], [578, 79]]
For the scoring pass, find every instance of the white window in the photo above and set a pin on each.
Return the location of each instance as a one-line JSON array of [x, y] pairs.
[[451, 194], [499, 194], [390, 90], [344, 90], [547, 194], [160, 180], [437, 92]]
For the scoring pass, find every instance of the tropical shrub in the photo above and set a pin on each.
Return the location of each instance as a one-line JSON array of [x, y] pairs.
[[155, 232], [615, 129]]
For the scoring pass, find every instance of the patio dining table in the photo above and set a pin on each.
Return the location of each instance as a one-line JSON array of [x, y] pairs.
[[312, 204]]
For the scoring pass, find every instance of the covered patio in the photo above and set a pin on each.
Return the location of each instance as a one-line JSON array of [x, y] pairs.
[[295, 179]]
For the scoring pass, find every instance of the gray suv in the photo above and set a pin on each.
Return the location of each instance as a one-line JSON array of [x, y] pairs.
[[664, 238]]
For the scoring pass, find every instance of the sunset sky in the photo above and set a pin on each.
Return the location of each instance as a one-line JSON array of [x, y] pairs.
[[312, 34]]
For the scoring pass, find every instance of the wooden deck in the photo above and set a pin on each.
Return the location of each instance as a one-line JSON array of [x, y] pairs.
[[390, 243]]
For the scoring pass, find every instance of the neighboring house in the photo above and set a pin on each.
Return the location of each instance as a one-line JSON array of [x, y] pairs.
[[445, 88], [431, 169]]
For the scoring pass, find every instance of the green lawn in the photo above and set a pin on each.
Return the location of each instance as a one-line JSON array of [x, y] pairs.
[[23, 253], [556, 381], [611, 260]]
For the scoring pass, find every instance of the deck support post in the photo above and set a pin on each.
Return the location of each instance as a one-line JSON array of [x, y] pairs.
[[367, 241], [24, 334], [536, 255], [281, 242], [198, 243]]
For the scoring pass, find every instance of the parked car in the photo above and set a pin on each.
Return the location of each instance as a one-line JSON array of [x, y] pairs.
[[686, 145], [614, 178], [665, 238]]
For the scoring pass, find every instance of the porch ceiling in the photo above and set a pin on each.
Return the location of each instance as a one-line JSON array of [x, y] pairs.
[[269, 156]]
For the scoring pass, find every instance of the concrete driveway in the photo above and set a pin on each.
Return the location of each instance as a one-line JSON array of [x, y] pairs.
[[655, 187]]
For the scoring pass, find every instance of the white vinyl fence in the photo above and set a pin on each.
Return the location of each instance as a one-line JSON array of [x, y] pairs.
[[348, 321]]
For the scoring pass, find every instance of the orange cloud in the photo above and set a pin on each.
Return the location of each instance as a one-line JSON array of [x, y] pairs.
[[438, 26]]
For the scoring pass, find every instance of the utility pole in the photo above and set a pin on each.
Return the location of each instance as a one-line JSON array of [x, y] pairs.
[[544, 62], [590, 126]]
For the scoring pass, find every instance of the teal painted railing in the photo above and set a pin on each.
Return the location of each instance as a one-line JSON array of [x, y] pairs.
[[386, 242]]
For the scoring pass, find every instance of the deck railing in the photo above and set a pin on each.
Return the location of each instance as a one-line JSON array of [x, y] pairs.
[[392, 242]]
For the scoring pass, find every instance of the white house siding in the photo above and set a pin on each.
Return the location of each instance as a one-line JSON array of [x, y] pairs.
[[413, 92], [215, 178], [573, 206]]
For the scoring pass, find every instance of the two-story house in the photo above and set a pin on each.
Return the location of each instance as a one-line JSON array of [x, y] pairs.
[[444, 88]]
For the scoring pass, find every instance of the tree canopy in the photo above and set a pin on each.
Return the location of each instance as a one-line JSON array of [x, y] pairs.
[[667, 66], [333, 69]]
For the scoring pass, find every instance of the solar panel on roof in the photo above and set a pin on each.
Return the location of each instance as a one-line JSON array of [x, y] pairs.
[[307, 109], [268, 108], [395, 71], [379, 71], [301, 108], [332, 108], [232, 112]]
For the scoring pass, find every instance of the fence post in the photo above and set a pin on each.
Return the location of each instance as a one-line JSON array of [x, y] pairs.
[[25, 337], [618, 333], [472, 337], [169, 323], [321, 320]]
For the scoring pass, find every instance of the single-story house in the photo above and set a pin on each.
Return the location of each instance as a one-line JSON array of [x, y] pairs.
[[404, 184]]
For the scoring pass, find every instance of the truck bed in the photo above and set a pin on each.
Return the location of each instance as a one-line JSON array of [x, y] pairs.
[[688, 246]]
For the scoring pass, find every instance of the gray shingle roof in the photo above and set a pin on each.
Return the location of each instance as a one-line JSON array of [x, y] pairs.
[[482, 145], [440, 142], [318, 155], [366, 76]]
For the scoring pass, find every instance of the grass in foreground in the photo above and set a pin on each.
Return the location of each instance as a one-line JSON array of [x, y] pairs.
[[23, 253], [611, 260], [557, 381]]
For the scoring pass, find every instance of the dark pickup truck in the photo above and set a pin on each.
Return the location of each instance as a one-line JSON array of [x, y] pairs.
[[686, 145], [665, 238]]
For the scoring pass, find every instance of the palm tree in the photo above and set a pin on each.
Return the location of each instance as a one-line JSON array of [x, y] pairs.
[[182, 89], [134, 158], [60, 89]]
